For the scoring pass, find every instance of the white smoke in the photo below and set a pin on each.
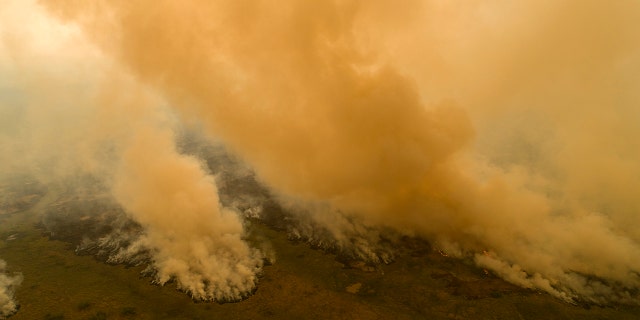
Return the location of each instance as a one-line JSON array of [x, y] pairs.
[[8, 284]]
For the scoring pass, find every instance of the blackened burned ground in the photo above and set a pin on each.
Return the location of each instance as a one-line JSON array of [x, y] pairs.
[[303, 283]]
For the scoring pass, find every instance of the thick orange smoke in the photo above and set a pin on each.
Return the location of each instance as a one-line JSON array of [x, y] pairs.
[[509, 128], [191, 239], [77, 116]]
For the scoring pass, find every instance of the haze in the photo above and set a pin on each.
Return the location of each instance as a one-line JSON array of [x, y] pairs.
[[505, 132]]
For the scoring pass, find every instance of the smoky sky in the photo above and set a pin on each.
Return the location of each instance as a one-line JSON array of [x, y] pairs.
[[504, 132]]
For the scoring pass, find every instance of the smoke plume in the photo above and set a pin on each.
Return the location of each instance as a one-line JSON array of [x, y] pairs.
[[8, 283], [192, 239], [75, 124], [504, 132]]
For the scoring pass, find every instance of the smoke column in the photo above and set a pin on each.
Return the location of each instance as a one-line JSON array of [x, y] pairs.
[[191, 238], [71, 114], [7, 286], [506, 132]]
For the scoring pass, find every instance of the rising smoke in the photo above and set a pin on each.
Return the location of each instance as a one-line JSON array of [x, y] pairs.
[[505, 132], [72, 125], [8, 283]]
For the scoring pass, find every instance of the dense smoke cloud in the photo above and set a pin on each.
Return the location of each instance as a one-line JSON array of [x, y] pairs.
[[8, 283], [192, 239], [503, 132], [76, 121]]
